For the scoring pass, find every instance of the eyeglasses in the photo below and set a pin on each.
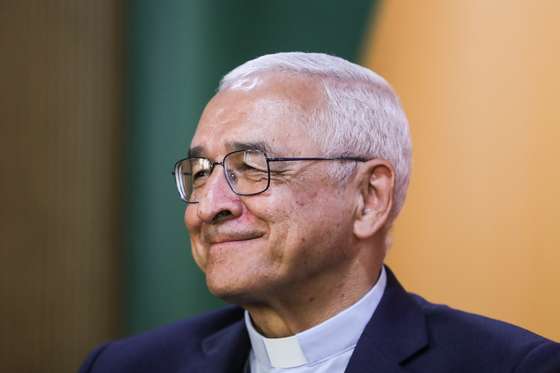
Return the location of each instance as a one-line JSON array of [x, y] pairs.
[[247, 172]]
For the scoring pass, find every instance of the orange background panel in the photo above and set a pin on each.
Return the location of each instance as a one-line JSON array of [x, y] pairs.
[[480, 82]]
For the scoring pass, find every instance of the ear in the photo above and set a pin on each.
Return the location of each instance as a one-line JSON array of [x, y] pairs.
[[377, 182]]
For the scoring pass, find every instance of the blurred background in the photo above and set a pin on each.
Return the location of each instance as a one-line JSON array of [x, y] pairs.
[[98, 99]]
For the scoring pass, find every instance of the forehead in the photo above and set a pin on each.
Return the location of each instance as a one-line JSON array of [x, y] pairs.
[[274, 112]]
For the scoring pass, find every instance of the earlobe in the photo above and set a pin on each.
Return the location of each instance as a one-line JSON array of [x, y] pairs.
[[377, 186]]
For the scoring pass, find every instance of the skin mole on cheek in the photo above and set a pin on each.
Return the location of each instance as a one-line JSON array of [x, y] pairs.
[[311, 196]]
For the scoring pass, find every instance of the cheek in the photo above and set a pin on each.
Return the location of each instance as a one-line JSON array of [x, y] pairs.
[[321, 216], [276, 212], [289, 217]]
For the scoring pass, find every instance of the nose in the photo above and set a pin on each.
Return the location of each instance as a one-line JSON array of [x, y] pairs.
[[218, 202]]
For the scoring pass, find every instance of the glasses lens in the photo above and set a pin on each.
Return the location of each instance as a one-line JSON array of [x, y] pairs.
[[191, 175], [247, 171]]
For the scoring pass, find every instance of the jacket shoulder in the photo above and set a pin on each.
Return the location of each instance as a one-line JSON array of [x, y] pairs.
[[162, 349], [491, 343]]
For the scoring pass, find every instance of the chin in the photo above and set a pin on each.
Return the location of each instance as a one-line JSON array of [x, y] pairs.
[[234, 287], [230, 294]]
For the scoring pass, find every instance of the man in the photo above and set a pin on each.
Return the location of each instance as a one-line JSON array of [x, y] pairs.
[[297, 170]]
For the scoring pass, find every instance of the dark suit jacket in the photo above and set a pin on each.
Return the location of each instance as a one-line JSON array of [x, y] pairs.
[[406, 334]]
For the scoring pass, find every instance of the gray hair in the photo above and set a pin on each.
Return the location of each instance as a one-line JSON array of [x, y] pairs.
[[362, 116]]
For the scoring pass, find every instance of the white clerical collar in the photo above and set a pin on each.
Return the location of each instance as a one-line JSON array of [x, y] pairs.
[[322, 341]]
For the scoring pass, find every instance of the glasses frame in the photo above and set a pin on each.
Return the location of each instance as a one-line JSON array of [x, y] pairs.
[[213, 164]]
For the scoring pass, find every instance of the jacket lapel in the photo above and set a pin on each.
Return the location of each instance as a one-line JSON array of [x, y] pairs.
[[225, 351], [395, 333]]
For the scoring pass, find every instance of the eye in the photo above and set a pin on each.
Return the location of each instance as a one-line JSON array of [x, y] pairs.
[[232, 176], [200, 174], [200, 169], [199, 177], [254, 161], [252, 167]]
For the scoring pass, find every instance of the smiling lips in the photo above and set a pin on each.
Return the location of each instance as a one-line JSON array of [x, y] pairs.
[[218, 238]]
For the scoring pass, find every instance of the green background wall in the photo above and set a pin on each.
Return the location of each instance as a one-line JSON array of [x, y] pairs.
[[177, 52]]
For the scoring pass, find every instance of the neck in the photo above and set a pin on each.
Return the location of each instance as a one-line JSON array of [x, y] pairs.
[[299, 308]]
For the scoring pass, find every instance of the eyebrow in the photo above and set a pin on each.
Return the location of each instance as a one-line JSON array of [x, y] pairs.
[[196, 152], [199, 151], [257, 145]]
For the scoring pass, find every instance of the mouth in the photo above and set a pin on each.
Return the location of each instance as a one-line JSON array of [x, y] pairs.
[[237, 238]]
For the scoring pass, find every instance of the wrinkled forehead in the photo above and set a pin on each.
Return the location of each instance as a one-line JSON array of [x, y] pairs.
[[275, 113]]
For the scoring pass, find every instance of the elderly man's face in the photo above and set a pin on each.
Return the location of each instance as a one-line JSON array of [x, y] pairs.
[[252, 248]]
